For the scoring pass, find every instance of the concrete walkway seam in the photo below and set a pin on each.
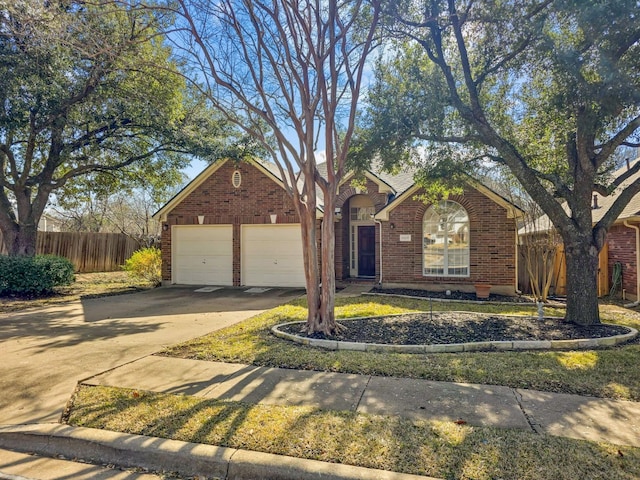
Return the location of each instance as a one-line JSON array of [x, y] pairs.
[[183, 458], [535, 427]]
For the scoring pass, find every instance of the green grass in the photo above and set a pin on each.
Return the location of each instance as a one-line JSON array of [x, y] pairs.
[[440, 449], [86, 285], [607, 372]]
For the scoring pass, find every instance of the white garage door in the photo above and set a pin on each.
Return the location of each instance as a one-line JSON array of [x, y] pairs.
[[272, 256], [202, 254]]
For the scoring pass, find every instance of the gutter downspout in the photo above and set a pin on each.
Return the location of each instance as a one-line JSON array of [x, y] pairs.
[[637, 229], [378, 222]]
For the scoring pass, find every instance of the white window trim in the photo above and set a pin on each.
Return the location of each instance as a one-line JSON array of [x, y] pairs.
[[445, 262]]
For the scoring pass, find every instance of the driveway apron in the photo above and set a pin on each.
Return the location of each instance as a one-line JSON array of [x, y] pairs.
[[45, 352]]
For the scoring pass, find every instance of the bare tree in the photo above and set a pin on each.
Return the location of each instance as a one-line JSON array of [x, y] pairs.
[[288, 73], [539, 244]]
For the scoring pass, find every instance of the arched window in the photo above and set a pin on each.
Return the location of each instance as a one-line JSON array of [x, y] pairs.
[[445, 240]]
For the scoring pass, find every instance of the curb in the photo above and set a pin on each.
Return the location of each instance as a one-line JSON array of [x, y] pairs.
[[183, 458], [485, 346]]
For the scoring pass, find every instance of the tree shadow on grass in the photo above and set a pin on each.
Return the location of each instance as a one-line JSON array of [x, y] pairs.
[[439, 449]]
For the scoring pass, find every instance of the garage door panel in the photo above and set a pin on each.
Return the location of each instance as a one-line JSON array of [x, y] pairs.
[[203, 255], [282, 264], [272, 255], [203, 247], [202, 262]]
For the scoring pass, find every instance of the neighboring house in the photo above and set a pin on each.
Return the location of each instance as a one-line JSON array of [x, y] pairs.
[[622, 245], [48, 223], [235, 225]]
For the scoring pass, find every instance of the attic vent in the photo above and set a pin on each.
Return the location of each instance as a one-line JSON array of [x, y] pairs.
[[236, 179]]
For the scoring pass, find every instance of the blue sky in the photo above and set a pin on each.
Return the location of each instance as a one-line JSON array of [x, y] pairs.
[[194, 169]]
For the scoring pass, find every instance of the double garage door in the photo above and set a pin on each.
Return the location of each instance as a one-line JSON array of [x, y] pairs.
[[270, 255]]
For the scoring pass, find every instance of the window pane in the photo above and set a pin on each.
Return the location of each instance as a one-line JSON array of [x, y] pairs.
[[362, 213], [433, 260], [446, 240]]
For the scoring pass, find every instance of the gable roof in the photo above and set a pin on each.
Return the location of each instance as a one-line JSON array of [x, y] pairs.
[[161, 214], [394, 183], [512, 210], [400, 185], [631, 210], [605, 203]]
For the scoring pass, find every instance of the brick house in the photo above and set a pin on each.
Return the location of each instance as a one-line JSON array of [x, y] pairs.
[[235, 225]]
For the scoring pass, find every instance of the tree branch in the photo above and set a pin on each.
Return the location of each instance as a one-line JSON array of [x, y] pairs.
[[621, 201], [607, 148]]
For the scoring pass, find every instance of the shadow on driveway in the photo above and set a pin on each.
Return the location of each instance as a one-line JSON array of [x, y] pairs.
[[180, 300]]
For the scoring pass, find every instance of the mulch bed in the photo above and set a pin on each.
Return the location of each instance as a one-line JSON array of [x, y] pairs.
[[459, 327], [453, 295]]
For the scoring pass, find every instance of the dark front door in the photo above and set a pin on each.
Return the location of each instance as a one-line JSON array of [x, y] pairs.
[[366, 251]]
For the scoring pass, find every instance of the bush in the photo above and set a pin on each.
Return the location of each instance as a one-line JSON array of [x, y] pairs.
[[145, 264], [34, 275]]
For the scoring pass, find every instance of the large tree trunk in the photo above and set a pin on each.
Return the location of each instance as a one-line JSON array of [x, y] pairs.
[[20, 239], [582, 282], [20, 226]]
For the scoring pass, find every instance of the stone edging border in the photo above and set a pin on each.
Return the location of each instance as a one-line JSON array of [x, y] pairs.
[[497, 345]]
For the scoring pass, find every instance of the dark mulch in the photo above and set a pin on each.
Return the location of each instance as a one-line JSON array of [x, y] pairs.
[[453, 295], [459, 327]]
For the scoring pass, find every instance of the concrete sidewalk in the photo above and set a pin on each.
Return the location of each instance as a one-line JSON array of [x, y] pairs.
[[574, 416], [22, 466]]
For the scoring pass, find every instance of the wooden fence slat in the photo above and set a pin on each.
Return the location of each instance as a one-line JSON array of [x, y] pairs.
[[559, 282], [88, 251]]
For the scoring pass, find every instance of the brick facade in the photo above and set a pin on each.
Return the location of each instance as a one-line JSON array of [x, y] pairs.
[[492, 233], [622, 248], [221, 203], [492, 246], [345, 194]]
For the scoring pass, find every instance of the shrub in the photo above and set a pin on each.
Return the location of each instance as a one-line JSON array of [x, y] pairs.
[[145, 264], [34, 275]]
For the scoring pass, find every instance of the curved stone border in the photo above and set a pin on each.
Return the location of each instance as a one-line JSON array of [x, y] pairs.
[[498, 345]]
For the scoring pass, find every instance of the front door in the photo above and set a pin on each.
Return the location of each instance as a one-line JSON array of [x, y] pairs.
[[366, 251]]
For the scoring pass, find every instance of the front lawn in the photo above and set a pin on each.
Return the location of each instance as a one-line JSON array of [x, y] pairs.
[[440, 449], [606, 372], [86, 285]]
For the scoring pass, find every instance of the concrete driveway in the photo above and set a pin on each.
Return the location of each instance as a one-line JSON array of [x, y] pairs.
[[45, 352]]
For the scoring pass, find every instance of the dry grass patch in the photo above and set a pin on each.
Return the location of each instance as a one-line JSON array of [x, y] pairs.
[[440, 449], [87, 285], [607, 372]]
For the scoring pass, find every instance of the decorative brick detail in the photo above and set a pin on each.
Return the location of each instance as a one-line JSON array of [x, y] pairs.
[[347, 191], [342, 252]]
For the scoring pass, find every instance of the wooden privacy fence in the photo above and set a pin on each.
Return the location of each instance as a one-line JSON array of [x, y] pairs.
[[559, 280], [89, 252]]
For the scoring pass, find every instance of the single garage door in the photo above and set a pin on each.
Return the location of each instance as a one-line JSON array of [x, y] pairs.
[[272, 255], [202, 254]]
